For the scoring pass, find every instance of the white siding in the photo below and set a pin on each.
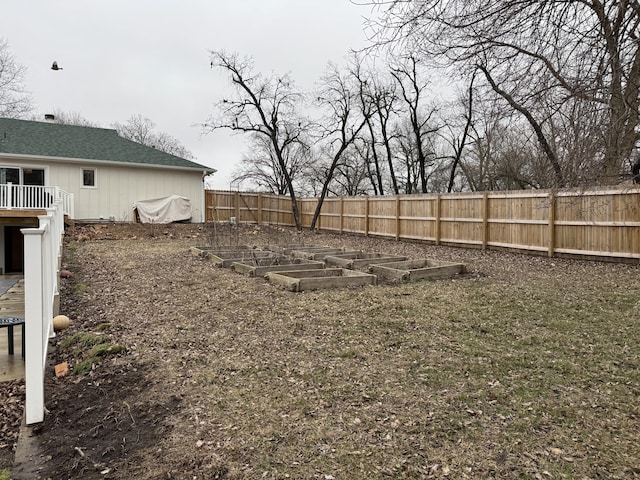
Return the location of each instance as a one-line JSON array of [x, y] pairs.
[[118, 187]]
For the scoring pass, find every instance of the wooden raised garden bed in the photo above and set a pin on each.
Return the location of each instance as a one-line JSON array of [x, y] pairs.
[[320, 254], [203, 251], [300, 280], [289, 249], [359, 260], [226, 259], [412, 270], [261, 266]]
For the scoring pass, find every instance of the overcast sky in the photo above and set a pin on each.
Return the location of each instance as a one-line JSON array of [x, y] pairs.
[[150, 57]]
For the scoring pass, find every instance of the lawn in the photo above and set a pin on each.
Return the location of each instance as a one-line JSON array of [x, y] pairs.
[[526, 367]]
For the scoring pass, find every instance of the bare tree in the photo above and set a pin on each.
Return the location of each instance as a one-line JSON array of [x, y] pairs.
[[535, 124], [351, 175], [261, 106], [367, 148], [413, 89], [586, 51], [15, 101], [502, 154], [383, 99], [141, 129], [168, 144], [137, 128], [339, 95], [261, 166], [72, 118], [576, 132], [458, 144], [406, 156], [364, 153]]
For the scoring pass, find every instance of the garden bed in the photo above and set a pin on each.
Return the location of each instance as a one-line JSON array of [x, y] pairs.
[[301, 280], [414, 270], [360, 260], [261, 266]]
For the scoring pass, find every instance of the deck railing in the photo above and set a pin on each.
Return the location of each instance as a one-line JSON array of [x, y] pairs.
[[43, 250], [33, 197]]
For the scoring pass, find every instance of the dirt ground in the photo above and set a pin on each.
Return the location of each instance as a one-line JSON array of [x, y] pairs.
[[205, 373], [12, 395]]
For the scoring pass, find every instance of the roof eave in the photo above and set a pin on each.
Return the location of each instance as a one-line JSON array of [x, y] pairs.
[[17, 156]]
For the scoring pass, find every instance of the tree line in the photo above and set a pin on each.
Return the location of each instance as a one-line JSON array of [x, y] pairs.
[[540, 95], [451, 95]]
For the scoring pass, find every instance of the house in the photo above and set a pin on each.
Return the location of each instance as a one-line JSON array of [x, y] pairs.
[[97, 174]]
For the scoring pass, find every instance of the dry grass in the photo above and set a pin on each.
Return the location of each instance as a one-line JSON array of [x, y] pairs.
[[526, 368]]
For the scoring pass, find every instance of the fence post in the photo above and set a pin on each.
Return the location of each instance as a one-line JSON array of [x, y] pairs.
[[437, 212], [269, 220], [366, 216], [341, 215], [552, 223], [33, 313], [213, 208], [485, 220], [236, 205], [397, 217], [259, 219]]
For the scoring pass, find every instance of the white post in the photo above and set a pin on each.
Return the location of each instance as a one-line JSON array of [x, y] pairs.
[[47, 223], [9, 194], [34, 332], [71, 206]]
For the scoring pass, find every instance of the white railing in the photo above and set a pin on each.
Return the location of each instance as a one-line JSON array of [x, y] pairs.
[[42, 253], [33, 197], [67, 202]]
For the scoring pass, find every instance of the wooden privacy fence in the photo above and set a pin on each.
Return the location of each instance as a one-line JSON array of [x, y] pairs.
[[593, 223]]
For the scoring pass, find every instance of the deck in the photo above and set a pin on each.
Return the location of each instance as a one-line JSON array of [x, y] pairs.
[[11, 304], [20, 201]]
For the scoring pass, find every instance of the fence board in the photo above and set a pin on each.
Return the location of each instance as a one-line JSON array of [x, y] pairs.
[[601, 223], [354, 215]]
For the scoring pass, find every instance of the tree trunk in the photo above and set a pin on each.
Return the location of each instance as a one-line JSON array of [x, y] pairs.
[[375, 158], [463, 141], [325, 186], [392, 173], [550, 154], [292, 193]]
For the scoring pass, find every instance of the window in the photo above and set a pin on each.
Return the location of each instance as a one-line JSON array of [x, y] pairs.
[[10, 175], [22, 176], [33, 176], [88, 177]]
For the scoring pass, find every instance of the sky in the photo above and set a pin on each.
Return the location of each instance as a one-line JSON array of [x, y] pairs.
[[151, 57]]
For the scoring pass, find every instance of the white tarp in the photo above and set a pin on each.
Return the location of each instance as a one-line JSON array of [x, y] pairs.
[[164, 210]]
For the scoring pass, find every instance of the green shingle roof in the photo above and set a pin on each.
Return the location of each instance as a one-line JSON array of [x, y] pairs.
[[24, 137]]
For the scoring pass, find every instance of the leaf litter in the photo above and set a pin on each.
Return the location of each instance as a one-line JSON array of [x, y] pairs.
[[524, 367]]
